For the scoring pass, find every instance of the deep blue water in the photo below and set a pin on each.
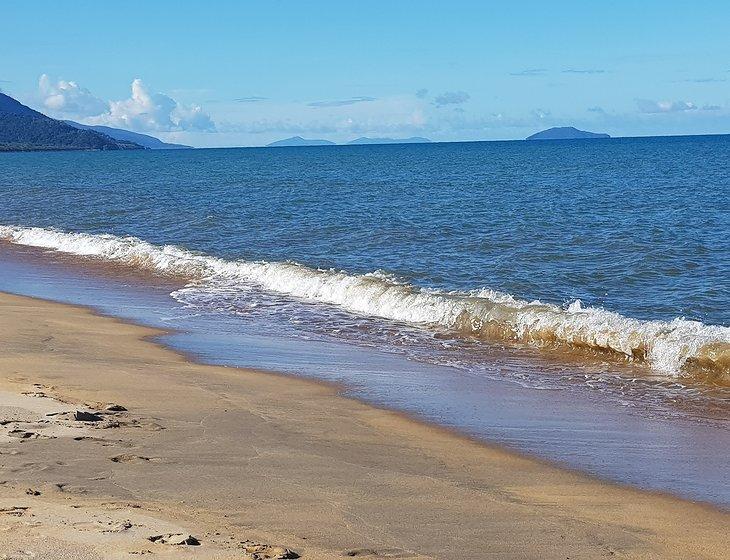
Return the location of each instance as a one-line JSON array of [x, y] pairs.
[[638, 226]]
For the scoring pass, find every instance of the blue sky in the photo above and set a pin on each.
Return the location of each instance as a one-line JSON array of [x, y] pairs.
[[246, 73]]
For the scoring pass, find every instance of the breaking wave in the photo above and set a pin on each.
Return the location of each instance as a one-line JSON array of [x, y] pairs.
[[669, 347]]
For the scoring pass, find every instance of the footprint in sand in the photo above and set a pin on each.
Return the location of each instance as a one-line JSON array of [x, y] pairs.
[[87, 416], [26, 434], [258, 551], [14, 511], [176, 539], [113, 407], [381, 553], [104, 442], [128, 458]]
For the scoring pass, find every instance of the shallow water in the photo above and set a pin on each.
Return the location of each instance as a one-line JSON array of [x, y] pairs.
[[573, 426]]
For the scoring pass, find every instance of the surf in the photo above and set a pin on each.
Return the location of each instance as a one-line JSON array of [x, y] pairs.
[[677, 347]]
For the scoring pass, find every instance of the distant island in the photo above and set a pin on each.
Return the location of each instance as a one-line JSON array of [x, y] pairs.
[[565, 133], [23, 129], [411, 140], [298, 141], [144, 140]]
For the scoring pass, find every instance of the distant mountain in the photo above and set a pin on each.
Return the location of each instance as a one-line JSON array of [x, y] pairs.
[[23, 129], [299, 141], [143, 140], [411, 140], [565, 133]]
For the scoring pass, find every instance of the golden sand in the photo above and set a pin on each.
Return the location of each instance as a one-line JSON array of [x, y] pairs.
[[259, 465]]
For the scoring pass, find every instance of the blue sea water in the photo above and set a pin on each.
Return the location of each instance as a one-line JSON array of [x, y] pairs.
[[615, 246], [599, 267], [638, 226]]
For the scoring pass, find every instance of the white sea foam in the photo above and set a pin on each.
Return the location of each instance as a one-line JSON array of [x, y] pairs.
[[665, 345]]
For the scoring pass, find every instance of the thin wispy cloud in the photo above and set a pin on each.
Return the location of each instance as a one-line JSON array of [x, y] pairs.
[[451, 98], [583, 71], [596, 109], [705, 80], [422, 93], [341, 102], [541, 114], [251, 99], [530, 72]]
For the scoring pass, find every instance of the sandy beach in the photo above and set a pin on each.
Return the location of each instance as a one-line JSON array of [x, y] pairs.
[[113, 446]]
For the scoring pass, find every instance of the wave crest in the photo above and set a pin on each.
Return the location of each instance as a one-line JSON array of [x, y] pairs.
[[667, 346]]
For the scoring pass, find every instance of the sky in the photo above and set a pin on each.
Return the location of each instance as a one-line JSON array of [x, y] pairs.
[[225, 73]]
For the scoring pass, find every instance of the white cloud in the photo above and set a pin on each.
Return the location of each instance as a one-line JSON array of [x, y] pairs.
[[143, 111], [147, 111], [368, 117], [648, 106], [69, 98], [541, 114]]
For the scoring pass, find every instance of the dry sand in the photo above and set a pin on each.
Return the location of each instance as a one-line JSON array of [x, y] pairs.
[[258, 465]]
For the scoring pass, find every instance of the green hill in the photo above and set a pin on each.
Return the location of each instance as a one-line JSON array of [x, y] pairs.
[[23, 129]]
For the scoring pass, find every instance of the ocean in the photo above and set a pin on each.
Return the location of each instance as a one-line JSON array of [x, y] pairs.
[[590, 273]]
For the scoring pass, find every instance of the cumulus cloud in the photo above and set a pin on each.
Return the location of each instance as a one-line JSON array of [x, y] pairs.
[[148, 111], [649, 106], [341, 102], [451, 98], [69, 98], [144, 110], [530, 72]]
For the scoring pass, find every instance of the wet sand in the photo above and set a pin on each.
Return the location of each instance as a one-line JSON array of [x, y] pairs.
[[245, 461]]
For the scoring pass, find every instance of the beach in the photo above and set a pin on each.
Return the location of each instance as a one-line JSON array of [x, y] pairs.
[[244, 460]]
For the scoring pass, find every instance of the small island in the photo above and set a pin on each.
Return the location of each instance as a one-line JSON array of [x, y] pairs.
[[144, 140], [412, 140], [566, 133], [299, 141]]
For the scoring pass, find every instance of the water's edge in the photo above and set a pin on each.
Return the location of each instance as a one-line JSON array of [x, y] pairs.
[[341, 391], [525, 431], [678, 347]]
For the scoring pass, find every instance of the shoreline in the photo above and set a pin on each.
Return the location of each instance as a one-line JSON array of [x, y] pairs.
[[667, 455], [340, 389], [542, 327], [362, 469]]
